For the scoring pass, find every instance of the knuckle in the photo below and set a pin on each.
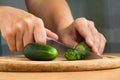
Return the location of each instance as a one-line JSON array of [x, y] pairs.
[[91, 22], [27, 21], [83, 18], [18, 27], [39, 21], [80, 20], [27, 24]]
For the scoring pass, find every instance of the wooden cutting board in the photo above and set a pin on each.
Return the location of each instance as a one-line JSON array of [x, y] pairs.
[[20, 63]]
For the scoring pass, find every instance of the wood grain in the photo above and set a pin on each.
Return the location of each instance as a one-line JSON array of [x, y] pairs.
[[20, 63]]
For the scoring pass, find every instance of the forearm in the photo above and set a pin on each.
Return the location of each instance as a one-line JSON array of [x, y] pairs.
[[55, 13]]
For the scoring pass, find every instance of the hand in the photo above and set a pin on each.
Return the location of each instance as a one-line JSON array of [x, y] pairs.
[[19, 28], [83, 29]]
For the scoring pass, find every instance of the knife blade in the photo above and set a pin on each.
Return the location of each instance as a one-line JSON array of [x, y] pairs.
[[58, 45], [61, 48]]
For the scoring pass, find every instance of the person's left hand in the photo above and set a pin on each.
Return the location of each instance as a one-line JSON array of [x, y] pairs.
[[83, 29]]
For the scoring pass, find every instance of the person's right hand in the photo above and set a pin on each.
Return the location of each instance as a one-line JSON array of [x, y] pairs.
[[19, 28]]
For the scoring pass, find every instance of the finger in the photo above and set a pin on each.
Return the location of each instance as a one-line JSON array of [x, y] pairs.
[[51, 34], [9, 35], [19, 37], [28, 31], [10, 38], [96, 37], [39, 32], [82, 27], [102, 45], [96, 46], [68, 39]]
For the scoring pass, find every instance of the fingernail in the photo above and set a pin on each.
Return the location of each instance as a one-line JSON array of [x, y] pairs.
[[91, 41], [96, 50]]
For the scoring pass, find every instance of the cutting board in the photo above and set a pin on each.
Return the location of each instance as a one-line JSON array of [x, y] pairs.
[[60, 64]]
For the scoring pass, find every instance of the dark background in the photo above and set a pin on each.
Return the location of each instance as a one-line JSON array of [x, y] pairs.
[[105, 14]]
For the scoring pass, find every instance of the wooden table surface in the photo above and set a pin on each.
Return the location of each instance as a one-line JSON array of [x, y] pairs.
[[111, 74]]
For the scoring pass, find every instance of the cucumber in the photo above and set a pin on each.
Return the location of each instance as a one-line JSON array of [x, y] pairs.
[[74, 54], [78, 53], [83, 47], [40, 52]]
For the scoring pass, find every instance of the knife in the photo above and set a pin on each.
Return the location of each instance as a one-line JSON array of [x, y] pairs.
[[61, 48]]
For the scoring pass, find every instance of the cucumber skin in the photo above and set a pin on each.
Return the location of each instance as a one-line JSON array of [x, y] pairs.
[[83, 47], [78, 53], [40, 52], [74, 54]]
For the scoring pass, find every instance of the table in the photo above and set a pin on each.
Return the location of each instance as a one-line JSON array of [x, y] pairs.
[[111, 74]]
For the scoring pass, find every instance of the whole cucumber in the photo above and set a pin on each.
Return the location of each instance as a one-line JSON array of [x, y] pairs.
[[35, 51]]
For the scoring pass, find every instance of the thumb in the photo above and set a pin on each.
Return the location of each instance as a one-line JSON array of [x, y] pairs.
[[68, 41]]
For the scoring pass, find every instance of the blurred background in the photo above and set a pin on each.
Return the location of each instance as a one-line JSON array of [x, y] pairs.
[[105, 14]]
